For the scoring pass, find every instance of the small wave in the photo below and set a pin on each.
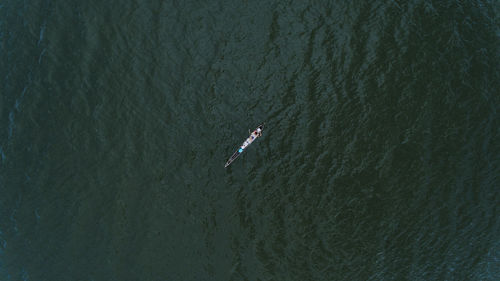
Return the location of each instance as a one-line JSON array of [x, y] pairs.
[[41, 55], [11, 124], [42, 31], [2, 154]]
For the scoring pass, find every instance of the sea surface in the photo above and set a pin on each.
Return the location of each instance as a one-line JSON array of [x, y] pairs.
[[380, 157]]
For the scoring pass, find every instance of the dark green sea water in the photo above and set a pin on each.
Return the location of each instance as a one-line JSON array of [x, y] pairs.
[[380, 159]]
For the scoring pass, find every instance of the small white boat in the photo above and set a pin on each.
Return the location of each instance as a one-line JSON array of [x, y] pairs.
[[253, 136]]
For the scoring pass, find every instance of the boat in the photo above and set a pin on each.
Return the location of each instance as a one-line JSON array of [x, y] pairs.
[[253, 136]]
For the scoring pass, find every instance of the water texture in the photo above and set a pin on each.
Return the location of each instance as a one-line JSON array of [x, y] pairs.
[[380, 159]]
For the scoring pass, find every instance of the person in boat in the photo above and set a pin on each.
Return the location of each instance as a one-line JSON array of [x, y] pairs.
[[256, 133]]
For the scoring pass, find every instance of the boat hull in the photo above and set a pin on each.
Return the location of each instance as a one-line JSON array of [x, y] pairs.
[[253, 136]]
